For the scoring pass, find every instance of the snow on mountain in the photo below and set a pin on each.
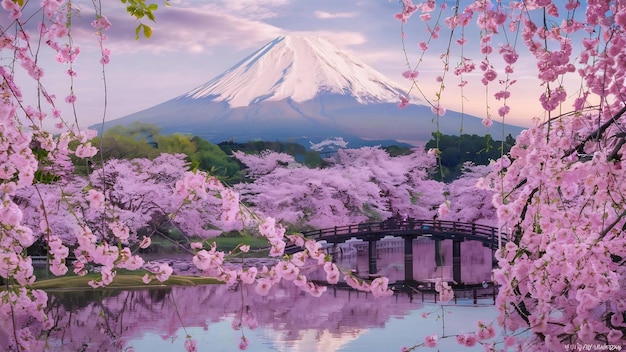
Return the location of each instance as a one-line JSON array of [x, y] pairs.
[[298, 68], [303, 89]]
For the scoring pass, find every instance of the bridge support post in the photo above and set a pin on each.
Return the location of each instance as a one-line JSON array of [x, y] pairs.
[[372, 257], [408, 258], [438, 254], [456, 262]]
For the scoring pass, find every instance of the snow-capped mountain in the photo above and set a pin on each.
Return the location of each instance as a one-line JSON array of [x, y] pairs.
[[302, 89], [297, 68]]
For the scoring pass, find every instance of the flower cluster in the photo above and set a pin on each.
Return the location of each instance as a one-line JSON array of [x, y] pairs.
[[560, 265], [275, 234], [446, 294], [98, 216], [560, 192]]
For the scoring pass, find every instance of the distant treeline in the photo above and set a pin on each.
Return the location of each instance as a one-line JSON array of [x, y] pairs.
[[454, 151], [145, 141], [140, 140]]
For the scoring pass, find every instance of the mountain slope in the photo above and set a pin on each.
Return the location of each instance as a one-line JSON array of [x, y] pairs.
[[298, 68], [302, 89]]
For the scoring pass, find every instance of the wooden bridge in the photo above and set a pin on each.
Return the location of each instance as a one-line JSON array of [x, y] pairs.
[[410, 229]]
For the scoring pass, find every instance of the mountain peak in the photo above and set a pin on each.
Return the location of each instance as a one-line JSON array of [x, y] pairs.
[[302, 89], [297, 68]]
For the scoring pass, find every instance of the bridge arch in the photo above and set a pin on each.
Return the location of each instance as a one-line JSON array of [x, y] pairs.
[[410, 229]]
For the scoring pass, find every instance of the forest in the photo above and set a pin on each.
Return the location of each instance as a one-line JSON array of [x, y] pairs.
[[140, 140]]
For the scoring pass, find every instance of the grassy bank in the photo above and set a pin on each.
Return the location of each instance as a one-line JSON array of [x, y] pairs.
[[121, 280], [229, 242], [226, 242], [161, 247]]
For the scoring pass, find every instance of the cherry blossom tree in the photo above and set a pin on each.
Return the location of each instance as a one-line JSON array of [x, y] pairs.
[[43, 197], [469, 201], [560, 191], [357, 185], [263, 163], [139, 194]]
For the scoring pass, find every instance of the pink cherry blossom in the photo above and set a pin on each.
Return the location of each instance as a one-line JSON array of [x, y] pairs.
[[58, 269], [438, 110], [163, 273], [287, 270], [380, 288], [461, 339], [248, 276], [263, 287], [485, 331], [79, 268], [404, 101], [444, 209], [96, 199], [502, 95], [332, 272], [510, 341], [470, 340], [430, 341], [86, 150], [489, 76], [70, 99], [300, 281], [120, 230], [101, 23], [243, 343], [13, 7], [190, 345], [208, 260], [145, 242], [411, 74], [378, 187]]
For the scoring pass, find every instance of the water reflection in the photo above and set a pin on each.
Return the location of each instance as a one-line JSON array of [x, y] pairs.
[[285, 320], [476, 260]]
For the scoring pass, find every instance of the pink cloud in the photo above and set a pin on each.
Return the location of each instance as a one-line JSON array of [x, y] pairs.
[[329, 15]]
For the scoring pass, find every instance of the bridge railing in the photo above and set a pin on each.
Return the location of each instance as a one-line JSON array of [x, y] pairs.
[[477, 231]]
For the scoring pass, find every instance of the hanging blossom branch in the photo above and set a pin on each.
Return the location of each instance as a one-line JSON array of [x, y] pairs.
[[412, 73], [560, 191], [96, 218], [489, 19]]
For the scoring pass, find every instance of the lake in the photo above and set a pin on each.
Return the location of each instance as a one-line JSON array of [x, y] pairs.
[[287, 319]]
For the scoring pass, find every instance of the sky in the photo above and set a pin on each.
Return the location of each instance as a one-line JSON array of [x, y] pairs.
[[196, 40]]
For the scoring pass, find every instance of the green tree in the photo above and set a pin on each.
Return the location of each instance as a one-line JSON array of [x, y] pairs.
[[454, 151], [395, 150], [140, 140], [210, 157], [175, 143], [127, 142]]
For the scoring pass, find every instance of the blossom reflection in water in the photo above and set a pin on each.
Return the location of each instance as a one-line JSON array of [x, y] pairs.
[[217, 317]]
